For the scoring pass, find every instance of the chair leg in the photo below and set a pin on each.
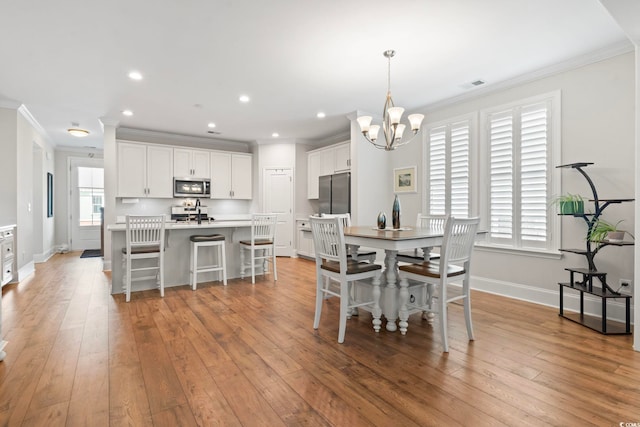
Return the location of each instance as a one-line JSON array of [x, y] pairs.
[[194, 266], [253, 266], [242, 266], [275, 271], [442, 299], [161, 273], [344, 305], [319, 298], [223, 258], [128, 280], [467, 306]]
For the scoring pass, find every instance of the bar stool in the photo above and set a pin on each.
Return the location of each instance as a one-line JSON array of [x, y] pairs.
[[198, 241]]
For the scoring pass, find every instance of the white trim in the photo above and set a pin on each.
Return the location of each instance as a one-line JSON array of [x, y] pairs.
[[10, 104], [549, 298], [44, 257], [34, 123], [157, 137], [27, 270], [528, 252]]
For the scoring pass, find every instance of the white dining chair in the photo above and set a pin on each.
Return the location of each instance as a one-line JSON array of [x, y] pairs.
[[454, 264], [332, 262], [417, 256], [144, 240], [261, 247], [353, 251]]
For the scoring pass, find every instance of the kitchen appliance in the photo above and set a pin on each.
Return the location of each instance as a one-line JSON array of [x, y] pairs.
[[191, 187], [335, 193], [184, 213]]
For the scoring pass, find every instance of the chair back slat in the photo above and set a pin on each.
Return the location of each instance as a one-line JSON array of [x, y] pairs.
[[345, 218], [263, 226], [434, 222], [144, 230], [459, 236], [328, 239]]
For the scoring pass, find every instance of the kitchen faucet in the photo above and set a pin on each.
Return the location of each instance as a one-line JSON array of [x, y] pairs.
[[198, 206]]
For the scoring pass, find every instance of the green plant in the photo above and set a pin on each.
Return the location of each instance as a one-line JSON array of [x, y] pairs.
[[569, 204], [602, 228]]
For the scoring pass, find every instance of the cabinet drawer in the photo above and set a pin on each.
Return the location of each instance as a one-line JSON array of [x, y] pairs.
[[7, 250], [7, 272]]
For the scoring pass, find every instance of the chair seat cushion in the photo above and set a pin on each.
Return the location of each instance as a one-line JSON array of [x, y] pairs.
[[353, 267], [206, 238], [431, 269], [142, 250], [257, 242]]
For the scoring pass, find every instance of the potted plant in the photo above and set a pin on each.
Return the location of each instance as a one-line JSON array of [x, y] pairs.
[[570, 204], [603, 230]]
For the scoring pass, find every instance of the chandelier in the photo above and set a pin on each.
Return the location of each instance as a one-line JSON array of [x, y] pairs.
[[391, 117]]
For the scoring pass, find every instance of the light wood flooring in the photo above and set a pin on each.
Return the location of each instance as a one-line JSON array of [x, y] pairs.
[[248, 355]]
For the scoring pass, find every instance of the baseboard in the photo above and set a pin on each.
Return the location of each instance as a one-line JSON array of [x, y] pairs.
[[106, 265], [549, 298], [44, 257], [27, 270]]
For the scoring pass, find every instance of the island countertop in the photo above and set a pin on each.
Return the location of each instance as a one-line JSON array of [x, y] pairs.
[[193, 225]]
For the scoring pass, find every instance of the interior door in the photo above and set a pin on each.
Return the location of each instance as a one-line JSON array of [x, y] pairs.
[[86, 196], [278, 198]]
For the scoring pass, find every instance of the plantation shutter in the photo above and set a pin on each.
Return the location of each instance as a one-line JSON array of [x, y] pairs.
[[449, 169], [501, 175]]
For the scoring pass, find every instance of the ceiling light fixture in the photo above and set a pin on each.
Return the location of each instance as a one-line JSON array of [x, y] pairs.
[[128, 113], [391, 117], [76, 131], [244, 98], [135, 75], [275, 134], [211, 125], [321, 115]]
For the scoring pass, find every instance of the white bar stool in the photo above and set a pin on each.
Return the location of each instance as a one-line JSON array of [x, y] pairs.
[[198, 241]]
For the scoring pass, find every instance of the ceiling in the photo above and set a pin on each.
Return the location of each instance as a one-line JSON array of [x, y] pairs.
[[68, 61]]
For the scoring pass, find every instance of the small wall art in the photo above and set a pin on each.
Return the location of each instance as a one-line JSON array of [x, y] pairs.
[[404, 180]]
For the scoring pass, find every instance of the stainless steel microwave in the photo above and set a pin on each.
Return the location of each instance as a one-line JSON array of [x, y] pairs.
[[191, 187]]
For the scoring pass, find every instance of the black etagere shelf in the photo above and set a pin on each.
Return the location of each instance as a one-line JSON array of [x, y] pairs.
[[582, 279]]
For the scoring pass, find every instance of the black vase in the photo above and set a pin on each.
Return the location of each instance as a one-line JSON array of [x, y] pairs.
[[396, 213]]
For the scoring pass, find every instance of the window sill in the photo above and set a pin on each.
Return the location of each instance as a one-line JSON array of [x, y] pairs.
[[540, 253]]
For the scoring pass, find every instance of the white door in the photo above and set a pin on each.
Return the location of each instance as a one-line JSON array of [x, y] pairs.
[[278, 198], [86, 197]]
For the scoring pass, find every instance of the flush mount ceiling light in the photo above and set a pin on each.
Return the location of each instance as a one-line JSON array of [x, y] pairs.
[[244, 98], [391, 117], [321, 115], [135, 75], [127, 113], [76, 131]]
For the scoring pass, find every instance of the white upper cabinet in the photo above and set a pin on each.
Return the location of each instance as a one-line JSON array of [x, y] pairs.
[[326, 161], [145, 170], [231, 176], [188, 162]]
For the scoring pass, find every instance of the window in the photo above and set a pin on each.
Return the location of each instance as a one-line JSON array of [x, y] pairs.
[[448, 167], [519, 148], [91, 195]]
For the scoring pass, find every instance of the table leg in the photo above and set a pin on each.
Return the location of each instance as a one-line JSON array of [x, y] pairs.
[[404, 312], [390, 290]]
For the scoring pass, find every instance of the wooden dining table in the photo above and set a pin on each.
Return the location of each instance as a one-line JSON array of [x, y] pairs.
[[392, 241]]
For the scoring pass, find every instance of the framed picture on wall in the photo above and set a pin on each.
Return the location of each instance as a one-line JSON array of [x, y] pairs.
[[404, 180], [49, 195]]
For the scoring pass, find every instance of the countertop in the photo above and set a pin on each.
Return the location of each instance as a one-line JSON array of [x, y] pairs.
[[172, 225]]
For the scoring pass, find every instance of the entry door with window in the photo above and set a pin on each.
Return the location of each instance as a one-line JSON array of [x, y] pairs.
[[87, 198]]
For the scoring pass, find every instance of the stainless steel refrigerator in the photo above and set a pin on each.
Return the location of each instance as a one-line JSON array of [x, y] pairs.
[[335, 193]]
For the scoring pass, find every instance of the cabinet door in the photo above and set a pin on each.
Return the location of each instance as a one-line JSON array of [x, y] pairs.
[[200, 163], [220, 175], [313, 173], [241, 176], [182, 162], [159, 171], [132, 170], [327, 162], [343, 157]]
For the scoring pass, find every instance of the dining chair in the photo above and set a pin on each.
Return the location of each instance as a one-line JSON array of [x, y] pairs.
[[417, 256], [261, 247], [454, 264], [144, 240], [352, 250], [332, 262]]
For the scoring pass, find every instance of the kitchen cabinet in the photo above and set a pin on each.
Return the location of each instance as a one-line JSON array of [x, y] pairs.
[[189, 162], [305, 246], [9, 269], [231, 176], [145, 170], [326, 161]]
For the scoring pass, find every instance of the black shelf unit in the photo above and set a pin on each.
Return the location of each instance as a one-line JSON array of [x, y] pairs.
[[584, 283]]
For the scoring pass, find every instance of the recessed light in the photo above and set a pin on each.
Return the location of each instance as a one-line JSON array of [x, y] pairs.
[[135, 75], [321, 115], [128, 113], [244, 98], [275, 134], [211, 125]]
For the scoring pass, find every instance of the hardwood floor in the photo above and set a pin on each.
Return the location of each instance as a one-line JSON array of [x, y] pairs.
[[248, 355]]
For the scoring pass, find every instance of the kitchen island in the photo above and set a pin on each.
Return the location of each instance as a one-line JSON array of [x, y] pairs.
[[177, 249]]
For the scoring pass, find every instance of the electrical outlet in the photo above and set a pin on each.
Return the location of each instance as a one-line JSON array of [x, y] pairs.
[[625, 286], [625, 283]]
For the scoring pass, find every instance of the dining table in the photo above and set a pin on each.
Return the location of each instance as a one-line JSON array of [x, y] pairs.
[[392, 241]]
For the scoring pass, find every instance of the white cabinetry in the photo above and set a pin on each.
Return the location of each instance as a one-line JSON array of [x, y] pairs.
[[326, 161], [145, 170], [231, 176], [305, 246], [191, 163], [9, 269]]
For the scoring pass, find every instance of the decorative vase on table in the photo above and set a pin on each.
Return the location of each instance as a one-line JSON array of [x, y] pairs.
[[396, 213], [382, 221]]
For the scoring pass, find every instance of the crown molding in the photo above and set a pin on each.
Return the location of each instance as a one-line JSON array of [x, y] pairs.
[[10, 103], [151, 136], [24, 111]]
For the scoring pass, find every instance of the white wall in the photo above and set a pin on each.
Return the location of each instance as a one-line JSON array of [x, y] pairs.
[[9, 169]]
